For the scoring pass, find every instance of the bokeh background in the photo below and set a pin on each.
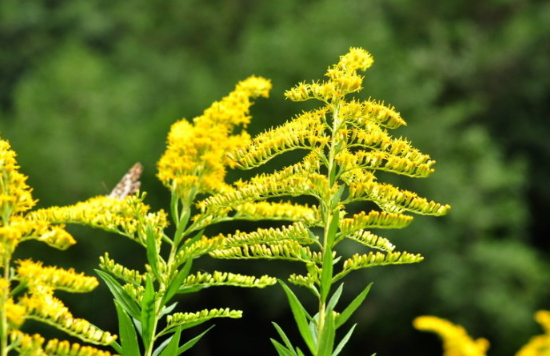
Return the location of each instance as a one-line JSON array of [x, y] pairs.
[[89, 87]]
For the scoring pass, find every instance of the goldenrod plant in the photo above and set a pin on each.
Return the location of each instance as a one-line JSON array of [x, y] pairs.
[[346, 144], [194, 164], [457, 342], [27, 288]]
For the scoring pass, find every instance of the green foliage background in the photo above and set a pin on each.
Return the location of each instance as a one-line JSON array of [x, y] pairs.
[[87, 88]]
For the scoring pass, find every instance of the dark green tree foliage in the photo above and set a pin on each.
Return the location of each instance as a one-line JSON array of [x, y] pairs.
[[88, 88]]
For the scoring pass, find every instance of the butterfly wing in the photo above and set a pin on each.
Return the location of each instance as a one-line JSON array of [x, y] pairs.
[[129, 184]]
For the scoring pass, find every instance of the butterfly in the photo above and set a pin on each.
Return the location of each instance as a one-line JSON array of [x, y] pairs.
[[129, 184]]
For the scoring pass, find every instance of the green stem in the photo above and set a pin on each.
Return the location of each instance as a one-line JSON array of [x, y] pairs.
[[330, 220]]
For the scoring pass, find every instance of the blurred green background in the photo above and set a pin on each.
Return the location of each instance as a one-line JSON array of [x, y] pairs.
[[88, 88]]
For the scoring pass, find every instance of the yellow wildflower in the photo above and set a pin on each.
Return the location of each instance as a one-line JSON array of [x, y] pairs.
[[17, 224], [15, 313], [128, 216], [15, 194], [32, 273], [456, 341], [195, 158], [27, 344], [57, 347], [539, 345]]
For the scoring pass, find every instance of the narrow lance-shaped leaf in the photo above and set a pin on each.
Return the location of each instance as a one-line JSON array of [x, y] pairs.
[[189, 344], [177, 282], [172, 347], [299, 316], [120, 295], [285, 338], [152, 251], [281, 350], [127, 333], [148, 313], [344, 341], [335, 297], [352, 307], [327, 335]]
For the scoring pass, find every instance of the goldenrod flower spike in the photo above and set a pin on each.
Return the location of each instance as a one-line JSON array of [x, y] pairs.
[[34, 274], [195, 158], [15, 194], [126, 217], [539, 345], [456, 341], [32, 345], [38, 282]]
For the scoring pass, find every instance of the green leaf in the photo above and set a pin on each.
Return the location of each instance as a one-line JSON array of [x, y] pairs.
[[181, 224], [167, 310], [172, 346], [352, 307], [21, 286], [174, 207], [187, 325], [335, 297], [327, 335], [128, 336], [161, 347], [344, 341], [148, 312], [152, 251], [120, 295], [283, 336], [336, 198], [176, 283], [313, 328], [189, 344], [281, 350], [333, 227], [300, 316]]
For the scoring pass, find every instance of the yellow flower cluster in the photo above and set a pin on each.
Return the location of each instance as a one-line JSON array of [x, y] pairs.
[[306, 131], [343, 79], [41, 305], [456, 341], [178, 319], [228, 279], [278, 211], [34, 275], [15, 194], [15, 201], [195, 158], [17, 224], [127, 217], [539, 345], [33, 345]]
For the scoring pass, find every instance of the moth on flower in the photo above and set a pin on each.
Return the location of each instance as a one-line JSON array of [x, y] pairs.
[[129, 184]]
